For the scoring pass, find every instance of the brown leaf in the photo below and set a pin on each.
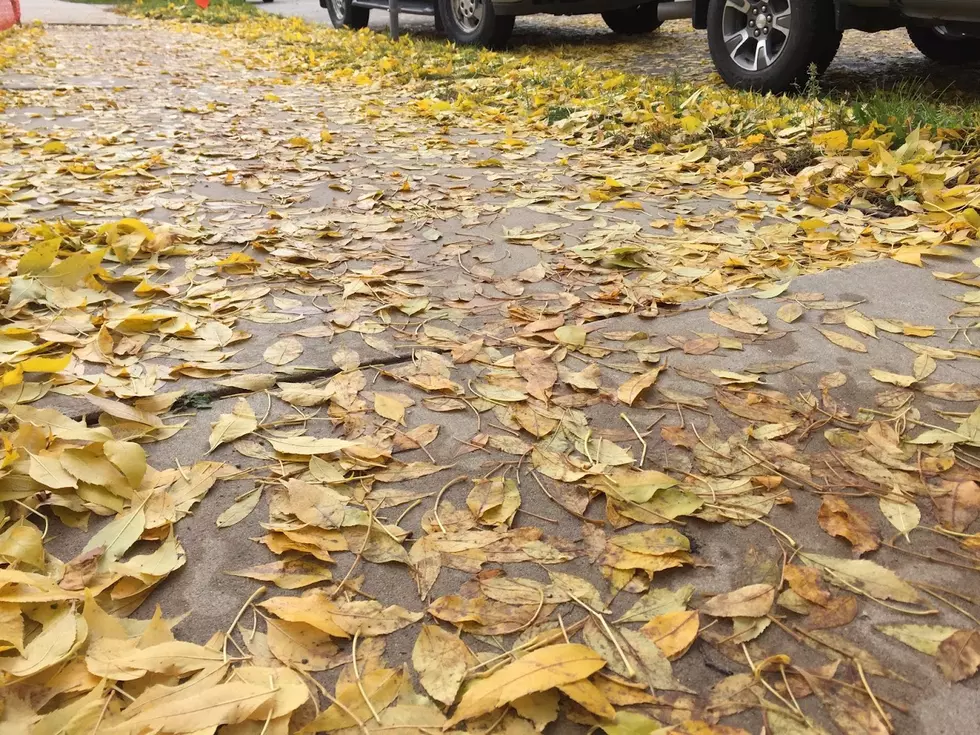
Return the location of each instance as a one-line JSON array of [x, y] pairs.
[[959, 655], [840, 610], [538, 369], [807, 583], [838, 518], [960, 508], [80, 570], [752, 601]]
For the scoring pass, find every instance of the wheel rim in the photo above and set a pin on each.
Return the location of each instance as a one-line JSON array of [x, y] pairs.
[[468, 14], [756, 31], [339, 8]]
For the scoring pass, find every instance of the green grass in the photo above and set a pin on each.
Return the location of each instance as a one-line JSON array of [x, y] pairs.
[[218, 12], [95, 2], [910, 105]]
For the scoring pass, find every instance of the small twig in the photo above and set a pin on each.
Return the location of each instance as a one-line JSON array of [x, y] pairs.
[[408, 510], [29, 509], [357, 676], [953, 605], [533, 617], [874, 700], [418, 444], [643, 456], [609, 633], [933, 559], [224, 649], [360, 554], [444, 488]]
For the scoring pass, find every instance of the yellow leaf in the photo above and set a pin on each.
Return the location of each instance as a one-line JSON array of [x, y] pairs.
[[289, 574], [842, 340], [55, 146], [543, 669], [73, 269], [790, 312], [52, 645], [571, 335], [46, 364], [234, 425], [309, 445], [673, 632], [381, 687], [883, 376], [238, 263], [129, 458], [690, 124], [13, 377], [283, 351], [240, 509], [40, 257], [588, 695], [632, 388], [47, 470], [441, 660], [389, 406], [833, 142], [860, 323], [204, 709]]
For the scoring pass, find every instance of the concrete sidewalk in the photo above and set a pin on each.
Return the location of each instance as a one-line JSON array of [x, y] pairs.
[[57, 12], [381, 236]]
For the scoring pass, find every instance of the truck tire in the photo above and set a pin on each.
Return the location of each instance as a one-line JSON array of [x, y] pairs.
[[770, 45], [344, 15], [943, 46], [475, 23], [633, 21]]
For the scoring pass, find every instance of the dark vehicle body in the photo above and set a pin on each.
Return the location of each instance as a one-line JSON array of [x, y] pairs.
[[765, 45]]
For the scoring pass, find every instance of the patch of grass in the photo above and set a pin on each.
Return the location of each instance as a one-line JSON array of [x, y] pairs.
[[219, 12], [910, 106], [95, 2], [558, 113]]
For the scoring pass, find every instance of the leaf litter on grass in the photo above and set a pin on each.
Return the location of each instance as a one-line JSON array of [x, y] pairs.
[[114, 312]]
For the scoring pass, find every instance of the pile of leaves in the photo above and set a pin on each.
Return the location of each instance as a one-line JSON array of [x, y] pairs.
[[15, 44], [217, 12]]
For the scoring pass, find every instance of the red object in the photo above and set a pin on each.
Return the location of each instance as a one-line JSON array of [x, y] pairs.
[[9, 13], [203, 4]]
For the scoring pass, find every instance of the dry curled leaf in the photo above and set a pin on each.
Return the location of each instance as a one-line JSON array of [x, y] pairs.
[[839, 518]]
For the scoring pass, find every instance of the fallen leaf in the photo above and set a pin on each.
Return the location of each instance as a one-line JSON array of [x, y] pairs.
[[842, 340], [959, 655], [283, 351], [230, 426], [441, 660], [752, 601], [630, 390], [838, 518], [543, 669]]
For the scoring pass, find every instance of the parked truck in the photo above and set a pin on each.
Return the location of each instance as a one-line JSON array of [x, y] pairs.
[[764, 45]]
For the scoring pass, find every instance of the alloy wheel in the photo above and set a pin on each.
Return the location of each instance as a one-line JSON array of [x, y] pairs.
[[756, 31], [468, 14]]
